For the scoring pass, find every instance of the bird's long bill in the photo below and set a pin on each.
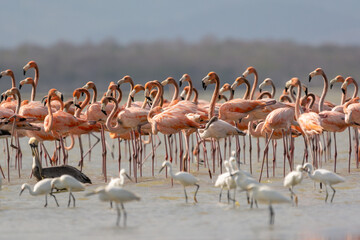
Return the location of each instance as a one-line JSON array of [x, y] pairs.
[[161, 169], [21, 191], [128, 177]]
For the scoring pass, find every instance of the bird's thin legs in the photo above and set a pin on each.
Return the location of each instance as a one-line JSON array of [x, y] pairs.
[[186, 197], [45, 200], [71, 196], [124, 212], [327, 194], [197, 189], [332, 198], [335, 154], [220, 194], [272, 215], [118, 215], [265, 152], [54, 199]]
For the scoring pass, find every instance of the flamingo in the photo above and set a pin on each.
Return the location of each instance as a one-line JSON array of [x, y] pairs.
[[10, 104], [60, 122], [268, 81], [94, 113], [309, 122], [169, 121], [281, 118], [331, 121], [34, 109]]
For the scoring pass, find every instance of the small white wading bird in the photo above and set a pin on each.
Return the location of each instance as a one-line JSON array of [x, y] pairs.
[[119, 182], [292, 179], [43, 187], [117, 195], [265, 194], [225, 181], [324, 176], [69, 183], [185, 178]]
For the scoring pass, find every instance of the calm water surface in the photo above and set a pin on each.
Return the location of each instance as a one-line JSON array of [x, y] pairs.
[[163, 214]]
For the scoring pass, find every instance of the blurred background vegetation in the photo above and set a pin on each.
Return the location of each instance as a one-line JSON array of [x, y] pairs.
[[66, 66]]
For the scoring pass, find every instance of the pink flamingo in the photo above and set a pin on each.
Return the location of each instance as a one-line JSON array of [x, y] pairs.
[[309, 122]]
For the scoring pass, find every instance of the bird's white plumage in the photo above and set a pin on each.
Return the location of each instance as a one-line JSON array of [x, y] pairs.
[[265, 194], [219, 129], [67, 182], [294, 177], [118, 195], [185, 178], [322, 175], [118, 182], [43, 187], [40, 188]]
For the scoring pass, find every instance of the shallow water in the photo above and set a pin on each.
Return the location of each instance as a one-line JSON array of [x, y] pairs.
[[163, 214]]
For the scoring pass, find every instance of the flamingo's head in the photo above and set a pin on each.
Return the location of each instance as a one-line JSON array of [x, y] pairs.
[[30, 64]]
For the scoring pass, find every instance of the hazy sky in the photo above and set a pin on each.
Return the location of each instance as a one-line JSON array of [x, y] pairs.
[[307, 21]]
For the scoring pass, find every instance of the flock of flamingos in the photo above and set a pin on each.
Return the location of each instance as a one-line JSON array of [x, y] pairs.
[[189, 126]]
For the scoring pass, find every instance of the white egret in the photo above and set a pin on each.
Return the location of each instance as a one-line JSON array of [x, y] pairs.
[[119, 182], [243, 181], [69, 183], [225, 181], [324, 176], [292, 179], [118, 195], [185, 178], [265, 194], [43, 187]]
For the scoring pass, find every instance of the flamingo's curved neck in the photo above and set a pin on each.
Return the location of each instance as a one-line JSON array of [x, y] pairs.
[[131, 82], [176, 91], [214, 97], [273, 90], [83, 104], [111, 116], [254, 85], [158, 96], [355, 89], [297, 103], [323, 94], [17, 93], [247, 92], [343, 96], [191, 88], [49, 125], [33, 91], [94, 94], [196, 96]]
